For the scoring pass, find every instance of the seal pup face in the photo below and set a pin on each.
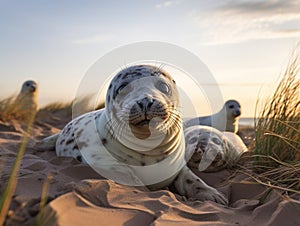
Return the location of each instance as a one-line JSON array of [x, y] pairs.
[[233, 109], [144, 97], [29, 86], [205, 148]]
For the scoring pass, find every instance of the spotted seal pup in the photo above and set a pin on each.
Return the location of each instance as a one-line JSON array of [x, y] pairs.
[[138, 138], [208, 149], [227, 119]]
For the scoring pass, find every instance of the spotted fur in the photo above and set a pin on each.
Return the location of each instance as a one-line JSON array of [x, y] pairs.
[[120, 141]]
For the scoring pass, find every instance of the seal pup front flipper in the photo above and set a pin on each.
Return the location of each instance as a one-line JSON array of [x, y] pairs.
[[194, 188], [48, 143]]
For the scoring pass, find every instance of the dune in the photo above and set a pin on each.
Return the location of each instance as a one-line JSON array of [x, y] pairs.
[[79, 196]]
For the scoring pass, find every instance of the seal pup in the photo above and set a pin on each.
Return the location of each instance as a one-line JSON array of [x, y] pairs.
[[208, 149], [137, 139], [227, 119], [24, 107]]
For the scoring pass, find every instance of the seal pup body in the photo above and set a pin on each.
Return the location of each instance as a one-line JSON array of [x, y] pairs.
[[138, 138], [224, 120]]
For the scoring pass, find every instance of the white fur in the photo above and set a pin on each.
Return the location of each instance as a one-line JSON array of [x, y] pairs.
[[224, 120]]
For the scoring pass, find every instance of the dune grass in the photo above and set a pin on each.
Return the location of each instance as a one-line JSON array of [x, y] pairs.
[[8, 113], [7, 109], [277, 128], [42, 219], [73, 108], [12, 182]]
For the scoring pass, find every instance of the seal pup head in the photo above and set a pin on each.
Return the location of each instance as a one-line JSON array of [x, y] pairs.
[[233, 109], [205, 148], [143, 99], [29, 86]]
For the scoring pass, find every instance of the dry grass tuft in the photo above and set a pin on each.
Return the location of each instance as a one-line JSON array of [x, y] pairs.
[[8, 109], [278, 126], [276, 156], [17, 108], [284, 177], [11, 185], [73, 108]]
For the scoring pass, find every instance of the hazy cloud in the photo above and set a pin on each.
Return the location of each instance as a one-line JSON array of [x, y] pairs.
[[167, 4], [98, 38], [249, 20]]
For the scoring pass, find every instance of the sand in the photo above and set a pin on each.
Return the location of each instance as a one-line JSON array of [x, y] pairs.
[[79, 196]]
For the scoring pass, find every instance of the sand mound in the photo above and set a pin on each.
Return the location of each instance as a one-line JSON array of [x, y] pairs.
[[102, 202]]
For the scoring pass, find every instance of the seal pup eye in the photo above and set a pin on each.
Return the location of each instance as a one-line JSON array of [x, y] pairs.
[[121, 87], [193, 140], [164, 87], [216, 141], [231, 106]]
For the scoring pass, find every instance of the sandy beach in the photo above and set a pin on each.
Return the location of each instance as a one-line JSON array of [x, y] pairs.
[[79, 196]]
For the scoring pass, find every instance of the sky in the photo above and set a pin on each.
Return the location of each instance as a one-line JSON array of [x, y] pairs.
[[245, 44]]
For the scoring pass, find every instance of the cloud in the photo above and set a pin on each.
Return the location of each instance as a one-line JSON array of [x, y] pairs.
[[98, 38], [167, 4], [241, 21]]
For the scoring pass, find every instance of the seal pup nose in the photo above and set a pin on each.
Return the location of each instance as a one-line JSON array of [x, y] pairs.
[[145, 103], [33, 87], [237, 113]]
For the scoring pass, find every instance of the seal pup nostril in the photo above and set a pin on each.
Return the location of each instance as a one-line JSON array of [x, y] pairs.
[[145, 103]]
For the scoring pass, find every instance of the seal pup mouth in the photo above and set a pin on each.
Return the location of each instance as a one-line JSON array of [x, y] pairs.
[[142, 116], [236, 113], [143, 123], [140, 126]]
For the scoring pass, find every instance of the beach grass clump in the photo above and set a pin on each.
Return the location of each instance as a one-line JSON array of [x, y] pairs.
[[17, 108], [7, 109], [11, 185], [72, 108], [277, 127]]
